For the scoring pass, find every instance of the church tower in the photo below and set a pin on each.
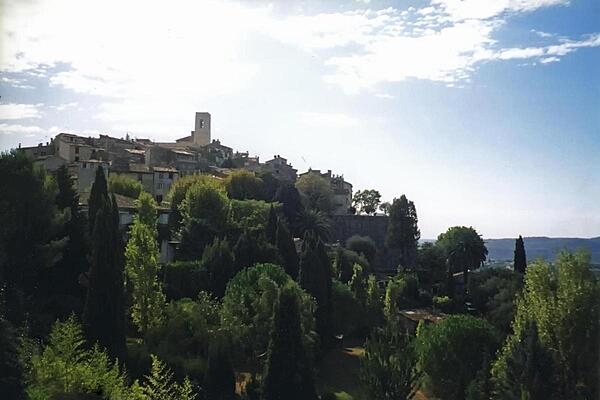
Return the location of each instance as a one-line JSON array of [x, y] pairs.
[[201, 133]]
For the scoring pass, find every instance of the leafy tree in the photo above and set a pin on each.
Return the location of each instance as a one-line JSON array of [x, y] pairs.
[[124, 185], [452, 351], [271, 185], [287, 249], [520, 260], [344, 262], [317, 192], [385, 207], [11, 370], [346, 309], [366, 201], [219, 264], [219, 380], [288, 374], [104, 314], [464, 248], [141, 266], [362, 245], [315, 278], [243, 185], [65, 366], [250, 215], [560, 301], [178, 192], [373, 303], [28, 238], [314, 223], [389, 367], [248, 306], [146, 209], [205, 215], [431, 263], [358, 283], [403, 231], [291, 205]]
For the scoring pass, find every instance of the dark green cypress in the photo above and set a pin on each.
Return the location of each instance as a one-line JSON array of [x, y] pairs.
[[520, 260], [271, 228], [104, 312], [288, 374], [218, 261], [219, 379], [97, 194], [243, 251], [315, 278], [287, 249], [11, 370]]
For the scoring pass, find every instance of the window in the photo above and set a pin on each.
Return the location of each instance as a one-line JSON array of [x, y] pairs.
[[84, 165], [77, 158], [160, 186], [140, 177], [161, 176], [170, 175], [76, 149], [201, 124]]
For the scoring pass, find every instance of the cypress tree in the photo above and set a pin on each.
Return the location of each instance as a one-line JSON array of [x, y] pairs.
[[243, 252], [287, 249], [104, 312], [219, 380], [97, 194], [218, 261], [65, 276], [315, 278], [403, 231], [288, 374], [520, 260], [271, 228]]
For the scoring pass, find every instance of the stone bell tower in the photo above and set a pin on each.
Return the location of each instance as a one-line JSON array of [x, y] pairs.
[[201, 133]]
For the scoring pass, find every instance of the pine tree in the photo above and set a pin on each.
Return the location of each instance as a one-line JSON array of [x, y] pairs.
[[271, 228], [520, 260], [219, 380], [287, 249], [288, 374], [218, 261], [315, 278], [160, 384], [104, 314]]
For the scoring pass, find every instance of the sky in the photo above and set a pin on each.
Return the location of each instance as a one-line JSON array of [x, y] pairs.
[[484, 113]]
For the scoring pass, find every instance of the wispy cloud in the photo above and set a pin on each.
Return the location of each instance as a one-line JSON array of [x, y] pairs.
[[16, 129], [14, 111]]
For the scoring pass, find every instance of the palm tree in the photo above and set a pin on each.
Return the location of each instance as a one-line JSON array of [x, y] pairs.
[[315, 223]]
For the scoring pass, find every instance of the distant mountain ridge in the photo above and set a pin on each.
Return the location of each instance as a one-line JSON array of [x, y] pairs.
[[542, 247]]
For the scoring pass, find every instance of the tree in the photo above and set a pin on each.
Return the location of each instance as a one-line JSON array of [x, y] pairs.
[[431, 264], [219, 263], [317, 192], [315, 278], [205, 214], [464, 249], [66, 295], [314, 223], [243, 185], [289, 197], [288, 374], [104, 312], [385, 208], [141, 266], [362, 245], [520, 260], [178, 192], [403, 231], [219, 380], [366, 201], [561, 301], [29, 239], [160, 384], [452, 351], [98, 196], [124, 185], [271, 228], [389, 367], [11, 370], [249, 302], [287, 249]]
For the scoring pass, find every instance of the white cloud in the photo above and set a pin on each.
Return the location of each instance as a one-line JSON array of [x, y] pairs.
[[549, 60], [16, 129], [12, 111]]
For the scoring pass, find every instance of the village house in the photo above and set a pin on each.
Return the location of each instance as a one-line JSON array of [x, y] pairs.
[[342, 191]]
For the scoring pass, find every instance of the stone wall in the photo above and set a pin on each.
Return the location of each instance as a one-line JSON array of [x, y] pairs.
[[375, 227]]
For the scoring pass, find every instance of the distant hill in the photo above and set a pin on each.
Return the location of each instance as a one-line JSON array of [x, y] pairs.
[[542, 247]]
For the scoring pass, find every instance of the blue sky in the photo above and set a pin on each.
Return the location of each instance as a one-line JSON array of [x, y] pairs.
[[485, 113]]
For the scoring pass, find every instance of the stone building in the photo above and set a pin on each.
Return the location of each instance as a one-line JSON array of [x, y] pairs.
[[280, 169], [342, 190]]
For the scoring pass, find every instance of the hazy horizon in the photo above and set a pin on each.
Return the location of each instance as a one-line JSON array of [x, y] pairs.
[[484, 113]]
